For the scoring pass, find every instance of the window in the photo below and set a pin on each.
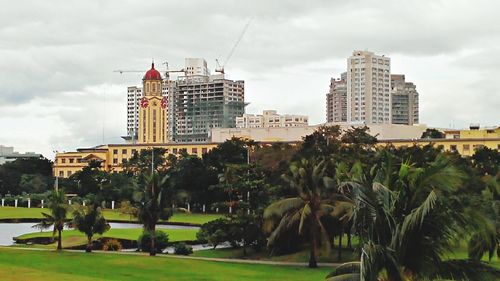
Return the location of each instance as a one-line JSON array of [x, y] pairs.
[[63, 160], [194, 150], [61, 173], [115, 151], [466, 147], [71, 160], [124, 151], [204, 149], [134, 151], [174, 150], [453, 147], [115, 161], [69, 173]]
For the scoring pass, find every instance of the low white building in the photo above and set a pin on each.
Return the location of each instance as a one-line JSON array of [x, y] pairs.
[[294, 134], [7, 154], [271, 119]]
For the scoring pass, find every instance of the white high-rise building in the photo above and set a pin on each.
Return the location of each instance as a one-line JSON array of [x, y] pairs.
[[368, 88], [134, 95], [196, 66]]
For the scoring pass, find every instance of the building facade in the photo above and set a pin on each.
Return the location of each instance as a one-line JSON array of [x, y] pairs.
[[200, 103], [404, 101], [271, 118], [7, 154], [134, 95], [336, 100], [152, 112], [368, 88], [196, 66]]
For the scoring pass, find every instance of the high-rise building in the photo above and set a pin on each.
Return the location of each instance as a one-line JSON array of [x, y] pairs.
[[271, 119], [198, 103], [368, 88], [152, 112], [196, 66], [134, 95], [336, 100], [404, 99]]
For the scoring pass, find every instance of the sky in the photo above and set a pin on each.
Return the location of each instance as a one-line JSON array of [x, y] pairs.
[[58, 91]]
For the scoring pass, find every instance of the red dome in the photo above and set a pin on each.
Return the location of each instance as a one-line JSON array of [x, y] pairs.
[[152, 74]]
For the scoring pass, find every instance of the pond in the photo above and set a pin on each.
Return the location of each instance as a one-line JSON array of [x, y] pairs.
[[10, 230]]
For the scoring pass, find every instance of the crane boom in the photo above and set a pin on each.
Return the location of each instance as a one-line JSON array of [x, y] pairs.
[[231, 52]]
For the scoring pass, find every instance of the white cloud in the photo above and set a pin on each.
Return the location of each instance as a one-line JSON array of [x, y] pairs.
[[57, 57]]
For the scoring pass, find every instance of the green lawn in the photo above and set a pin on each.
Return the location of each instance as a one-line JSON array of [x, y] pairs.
[[36, 213], [16, 264], [73, 238]]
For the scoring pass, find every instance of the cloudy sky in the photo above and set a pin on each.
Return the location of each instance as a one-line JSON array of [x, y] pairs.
[[58, 90]]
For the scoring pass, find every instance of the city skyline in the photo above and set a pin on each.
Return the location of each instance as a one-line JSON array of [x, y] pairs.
[[59, 91]]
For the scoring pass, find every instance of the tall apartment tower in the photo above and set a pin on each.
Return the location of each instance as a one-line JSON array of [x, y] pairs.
[[368, 88], [336, 100], [404, 98], [196, 66], [134, 95], [198, 103]]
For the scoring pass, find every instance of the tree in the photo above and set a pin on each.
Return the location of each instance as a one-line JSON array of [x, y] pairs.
[[214, 232], [407, 218], [432, 134], [57, 217], [127, 208], [304, 211], [142, 161], [152, 205], [90, 221], [486, 161], [233, 151]]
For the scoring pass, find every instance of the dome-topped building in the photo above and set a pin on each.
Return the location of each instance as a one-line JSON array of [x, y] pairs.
[[152, 74]]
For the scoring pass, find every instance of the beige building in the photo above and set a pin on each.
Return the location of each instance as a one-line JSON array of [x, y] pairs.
[[404, 101], [270, 119], [295, 134], [368, 88], [336, 100]]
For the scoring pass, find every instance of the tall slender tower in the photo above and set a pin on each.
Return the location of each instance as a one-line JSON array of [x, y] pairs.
[[152, 114]]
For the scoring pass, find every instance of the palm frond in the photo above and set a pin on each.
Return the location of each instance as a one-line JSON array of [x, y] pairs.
[[467, 270]]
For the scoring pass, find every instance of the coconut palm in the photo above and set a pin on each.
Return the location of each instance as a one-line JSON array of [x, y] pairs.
[[304, 211], [407, 221], [57, 217], [90, 221], [152, 205]]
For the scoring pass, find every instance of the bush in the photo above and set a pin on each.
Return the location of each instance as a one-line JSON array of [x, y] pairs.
[[214, 232], [112, 245], [144, 241], [183, 249]]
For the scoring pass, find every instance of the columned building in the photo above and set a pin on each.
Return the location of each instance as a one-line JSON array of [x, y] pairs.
[[404, 99], [152, 112], [336, 100]]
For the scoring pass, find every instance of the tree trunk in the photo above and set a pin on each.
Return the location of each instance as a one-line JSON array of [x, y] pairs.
[[59, 238], [88, 249], [152, 250], [349, 242], [244, 248], [340, 245], [314, 245]]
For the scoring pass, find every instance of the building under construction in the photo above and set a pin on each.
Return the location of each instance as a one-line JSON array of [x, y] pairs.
[[198, 103]]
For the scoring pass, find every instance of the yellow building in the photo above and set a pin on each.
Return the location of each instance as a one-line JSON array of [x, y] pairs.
[[464, 142], [152, 112], [112, 156]]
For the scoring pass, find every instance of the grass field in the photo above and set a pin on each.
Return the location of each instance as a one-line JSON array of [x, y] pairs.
[[73, 238], [36, 213], [16, 264]]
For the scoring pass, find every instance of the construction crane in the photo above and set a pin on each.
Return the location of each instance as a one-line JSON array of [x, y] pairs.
[[220, 68], [166, 72]]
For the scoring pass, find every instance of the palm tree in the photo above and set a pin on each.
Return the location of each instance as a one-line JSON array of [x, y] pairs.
[[90, 221], [304, 211], [407, 219], [153, 205], [57, 217]]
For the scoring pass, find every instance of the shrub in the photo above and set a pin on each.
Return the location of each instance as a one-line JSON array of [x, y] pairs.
[[144, 241], [214, 232], [182, 249], [112, 245]]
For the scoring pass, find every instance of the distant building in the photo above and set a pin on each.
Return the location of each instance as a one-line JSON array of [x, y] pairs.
[[134, 95], [196, 66], [368, 88], [271, 118], [336, 100], [404, 101], [7, 154]]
